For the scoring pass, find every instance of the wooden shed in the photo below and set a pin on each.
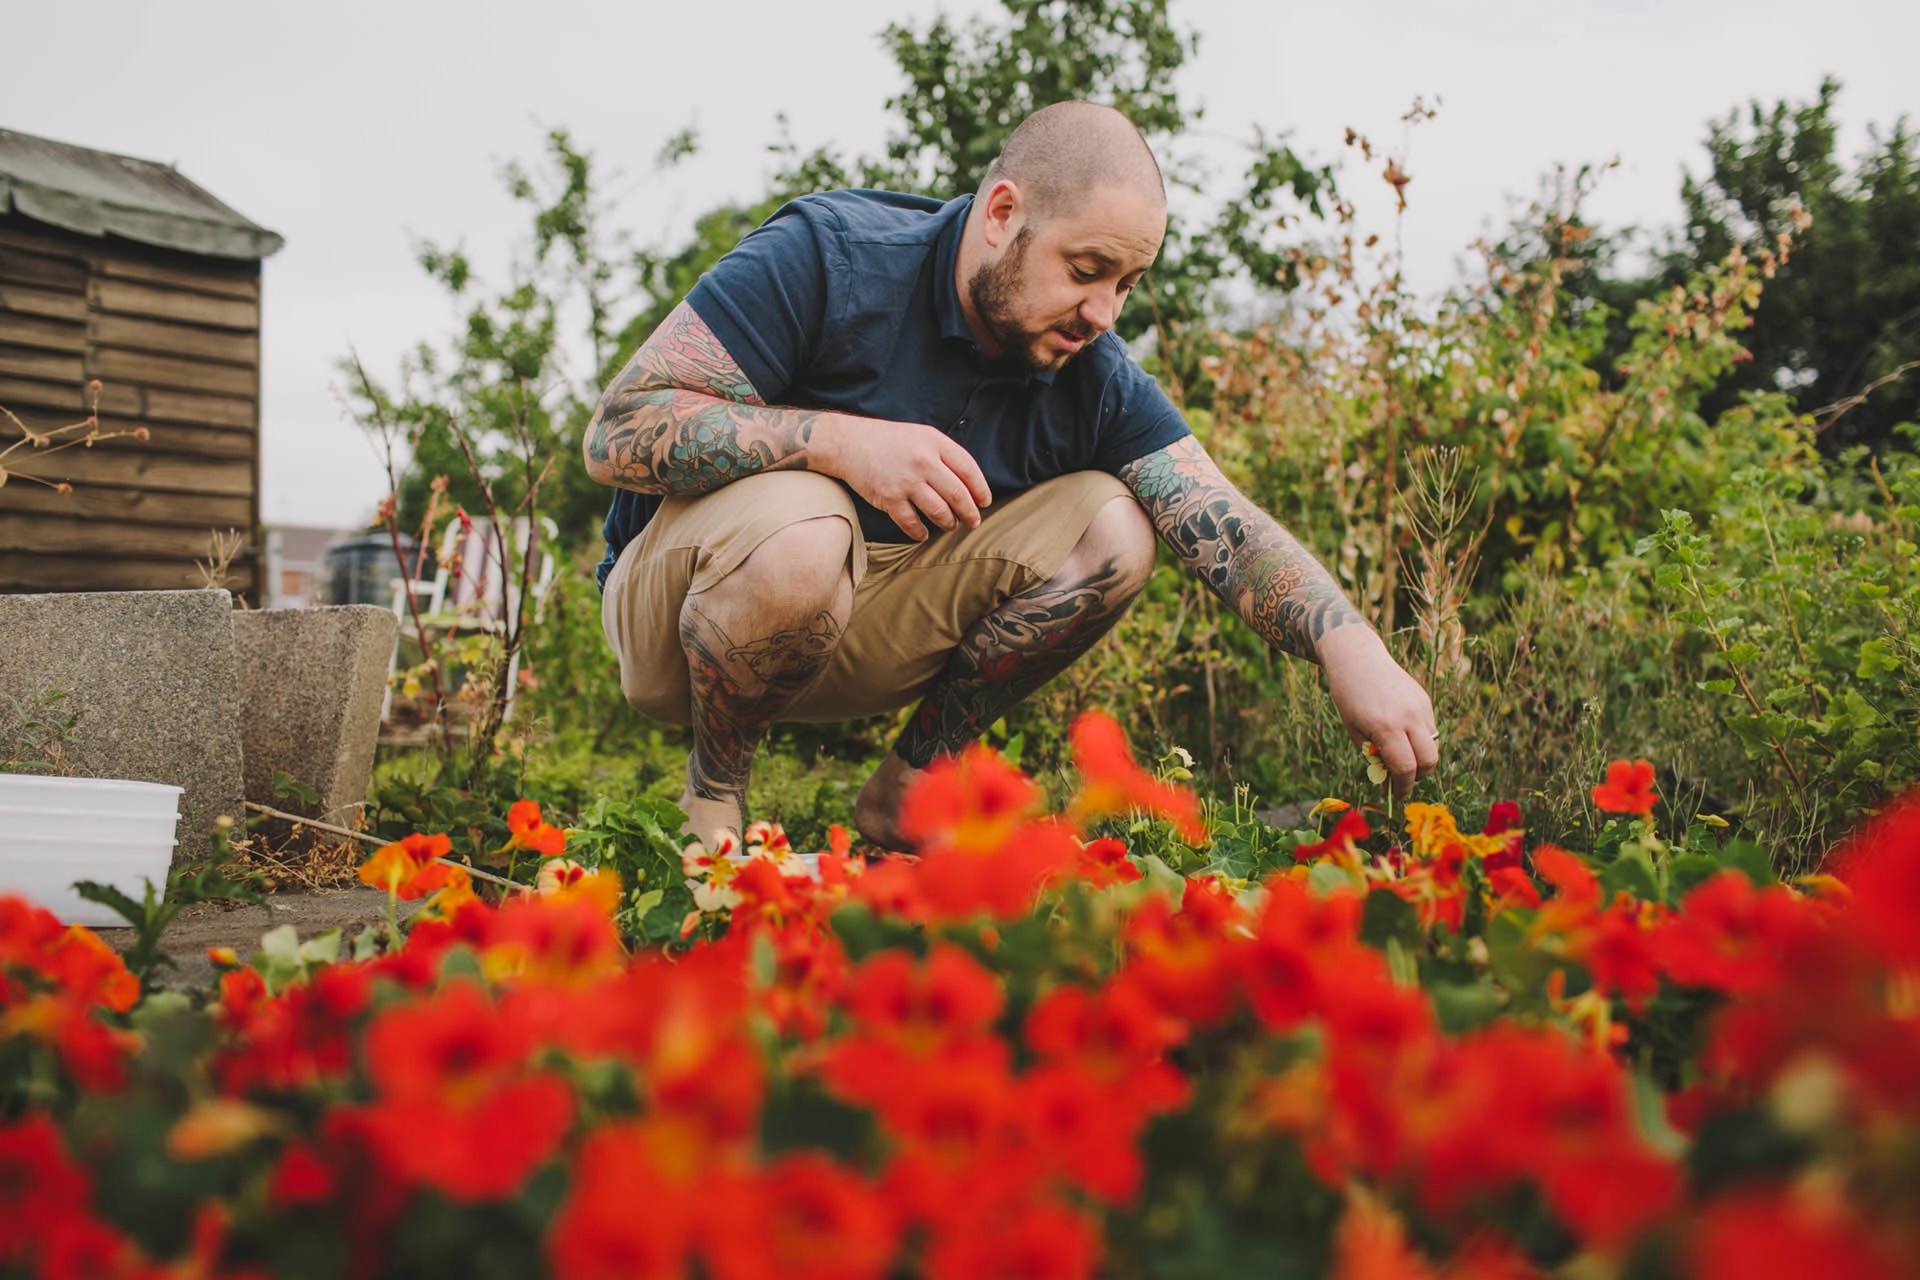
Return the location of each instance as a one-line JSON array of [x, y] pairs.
[[123, 271]]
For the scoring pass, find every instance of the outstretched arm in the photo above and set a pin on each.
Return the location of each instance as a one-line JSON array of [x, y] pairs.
[[682, 418], [1263, 573]]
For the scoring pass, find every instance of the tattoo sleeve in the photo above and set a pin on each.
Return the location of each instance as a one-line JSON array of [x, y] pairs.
[[1255, 566], [682, 418]]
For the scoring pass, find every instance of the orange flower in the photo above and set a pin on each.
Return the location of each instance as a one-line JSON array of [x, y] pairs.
[[1628, 789], [395, 866], [1110, 781], [530, 831], [1371, 1244]]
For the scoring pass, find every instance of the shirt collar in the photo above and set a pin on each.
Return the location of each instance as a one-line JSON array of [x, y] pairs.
[[946, 294]]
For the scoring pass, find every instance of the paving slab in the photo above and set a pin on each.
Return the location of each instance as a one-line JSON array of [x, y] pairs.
[[149, 678], [311, 685]]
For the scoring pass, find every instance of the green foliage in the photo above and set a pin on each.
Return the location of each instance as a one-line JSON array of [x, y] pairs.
[[1841, 319], [968, 86], [640, 839], [1810, 621], [511, 378], [151, 914]]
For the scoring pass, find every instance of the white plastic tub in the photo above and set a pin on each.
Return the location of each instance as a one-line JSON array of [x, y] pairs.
[[56, 831], [90, 795]]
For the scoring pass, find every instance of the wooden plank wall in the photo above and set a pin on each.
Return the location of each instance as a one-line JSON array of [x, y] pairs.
[[175, 342]]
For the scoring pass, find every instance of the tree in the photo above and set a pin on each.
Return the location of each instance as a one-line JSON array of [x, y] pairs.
[[1840, 328]]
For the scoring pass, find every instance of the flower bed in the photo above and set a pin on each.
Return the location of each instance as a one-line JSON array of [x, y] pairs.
[[1026, 1053]]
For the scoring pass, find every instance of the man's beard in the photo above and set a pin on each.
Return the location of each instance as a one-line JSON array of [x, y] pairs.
[[993, 291]]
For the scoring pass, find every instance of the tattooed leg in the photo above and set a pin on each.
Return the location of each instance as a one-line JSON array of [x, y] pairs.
[[754, 641], [1010, 653]]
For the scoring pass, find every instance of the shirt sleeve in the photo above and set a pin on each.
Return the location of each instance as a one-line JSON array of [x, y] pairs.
[[766, 300], [1137, 418]]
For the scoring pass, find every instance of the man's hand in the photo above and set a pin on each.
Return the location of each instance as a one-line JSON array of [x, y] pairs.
[[906, 469], [1380, 703]]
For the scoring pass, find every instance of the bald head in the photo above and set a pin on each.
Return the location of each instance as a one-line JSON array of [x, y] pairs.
[[1060, 154]]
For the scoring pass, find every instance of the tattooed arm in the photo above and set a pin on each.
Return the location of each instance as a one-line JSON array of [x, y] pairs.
[[682, 418], [1263, 573]]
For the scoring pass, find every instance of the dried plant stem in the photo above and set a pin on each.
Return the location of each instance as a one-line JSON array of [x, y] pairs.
[[392, 512], [376, 841]]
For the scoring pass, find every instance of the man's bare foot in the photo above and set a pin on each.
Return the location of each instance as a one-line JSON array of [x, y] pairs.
[[877, 812], [704, 816]]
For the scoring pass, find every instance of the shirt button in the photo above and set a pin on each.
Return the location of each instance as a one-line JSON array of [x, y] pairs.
[[961, 423]]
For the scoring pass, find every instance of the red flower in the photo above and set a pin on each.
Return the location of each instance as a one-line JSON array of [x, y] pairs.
[[39, 1184], [971, 803], [1341, 843], [621, 1219], [1039, 1240], [924, 1004], [1628, 788], [1086, 1131], [1619, 954], [1185, 959], [956, 884], [1110, 782], [1512, 887], [1502, 817], [811, 1220], [1727, 935], [1296, 938], [300, 1177], [1776, 1235], [1881, 863], [1110, 1033], [1104, 863]]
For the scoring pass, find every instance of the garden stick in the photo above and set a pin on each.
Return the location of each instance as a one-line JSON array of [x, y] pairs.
[[362, 836]]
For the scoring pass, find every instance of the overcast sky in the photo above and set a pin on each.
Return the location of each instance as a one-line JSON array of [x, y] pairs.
[[355, 129]]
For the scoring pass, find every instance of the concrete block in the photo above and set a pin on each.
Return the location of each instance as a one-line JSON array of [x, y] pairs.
[[311, 684], [150, 680]]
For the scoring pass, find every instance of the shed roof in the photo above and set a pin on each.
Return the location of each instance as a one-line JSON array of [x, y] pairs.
[[97, 193]]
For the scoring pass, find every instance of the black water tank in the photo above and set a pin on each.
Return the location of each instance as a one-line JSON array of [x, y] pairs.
[[361, 570]]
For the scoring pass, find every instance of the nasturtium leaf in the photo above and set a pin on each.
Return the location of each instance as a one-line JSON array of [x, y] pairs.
[[1329, 878], [1631, 872], [1462, 1006], [1691, 869], [1749, 858], [1387, 917]]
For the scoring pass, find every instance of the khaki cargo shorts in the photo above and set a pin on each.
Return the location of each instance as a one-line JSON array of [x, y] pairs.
[[911, 602]]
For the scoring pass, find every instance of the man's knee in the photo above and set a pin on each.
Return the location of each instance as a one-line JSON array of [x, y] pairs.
[[797, 570], [1119, 544]]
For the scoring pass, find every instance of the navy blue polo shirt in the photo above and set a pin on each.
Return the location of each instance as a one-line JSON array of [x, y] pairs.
[[845, 301]]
